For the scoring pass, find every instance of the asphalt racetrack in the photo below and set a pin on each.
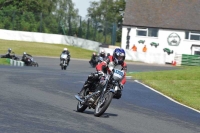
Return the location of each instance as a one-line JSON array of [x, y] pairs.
[[41, 100]]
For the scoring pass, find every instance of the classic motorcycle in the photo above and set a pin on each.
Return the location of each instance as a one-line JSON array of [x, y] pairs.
[[64, 61], [10, 56], [103, 91], [29, 61]]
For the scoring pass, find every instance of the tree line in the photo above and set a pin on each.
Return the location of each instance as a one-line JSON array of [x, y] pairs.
[[61, 17]]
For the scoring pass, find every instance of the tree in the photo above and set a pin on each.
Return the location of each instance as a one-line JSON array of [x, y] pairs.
[[107, 12], [66, 15], [24, 15], [37, 15]]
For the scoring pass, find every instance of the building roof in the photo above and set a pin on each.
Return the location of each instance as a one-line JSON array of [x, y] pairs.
[[170, 14]]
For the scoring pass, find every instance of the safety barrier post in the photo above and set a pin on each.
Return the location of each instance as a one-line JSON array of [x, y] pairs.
[[11, 62], [21, 63], [14, 62]]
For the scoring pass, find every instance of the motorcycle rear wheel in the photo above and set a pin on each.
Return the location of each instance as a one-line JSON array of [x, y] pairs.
[[103, 104]]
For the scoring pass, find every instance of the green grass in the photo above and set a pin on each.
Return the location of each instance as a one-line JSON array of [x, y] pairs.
[[182, 85], [4, 61], [43, 49]]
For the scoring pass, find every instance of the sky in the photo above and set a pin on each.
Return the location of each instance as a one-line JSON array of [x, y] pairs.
[[82, 6]]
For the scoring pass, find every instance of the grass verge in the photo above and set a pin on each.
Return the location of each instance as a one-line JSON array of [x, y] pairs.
[[182, 85], [43, 49], [4, 61]]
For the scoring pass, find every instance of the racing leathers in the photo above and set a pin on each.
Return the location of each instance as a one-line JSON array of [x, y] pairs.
[[92, 60]]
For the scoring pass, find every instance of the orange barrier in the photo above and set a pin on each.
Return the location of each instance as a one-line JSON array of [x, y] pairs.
[[174, 63]]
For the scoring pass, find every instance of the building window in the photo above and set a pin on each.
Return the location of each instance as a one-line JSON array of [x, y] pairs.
[[192, 35], [197, 52], [151, 32], [142, 31]]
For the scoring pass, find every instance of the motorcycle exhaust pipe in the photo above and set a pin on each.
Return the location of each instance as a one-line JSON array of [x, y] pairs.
[[83, 101], [79, 99]]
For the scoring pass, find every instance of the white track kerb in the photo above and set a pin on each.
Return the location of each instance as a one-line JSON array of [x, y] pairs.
[[16, 63], [166, 96]]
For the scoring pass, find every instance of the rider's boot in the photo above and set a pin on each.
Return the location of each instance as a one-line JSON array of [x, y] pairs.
[[68, 60]]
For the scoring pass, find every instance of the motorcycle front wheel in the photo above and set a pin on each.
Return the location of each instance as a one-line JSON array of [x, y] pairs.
[[37, 65], [103, 104]]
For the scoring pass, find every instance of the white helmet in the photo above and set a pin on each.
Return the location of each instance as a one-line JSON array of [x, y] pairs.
[[24, 52], [9, 50], [103, 54], [65, 49], [102, 51]]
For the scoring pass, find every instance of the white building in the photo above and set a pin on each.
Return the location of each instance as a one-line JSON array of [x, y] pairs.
[[166, 27]]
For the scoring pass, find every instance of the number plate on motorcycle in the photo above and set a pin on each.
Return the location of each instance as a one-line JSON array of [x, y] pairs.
[[118, 73]]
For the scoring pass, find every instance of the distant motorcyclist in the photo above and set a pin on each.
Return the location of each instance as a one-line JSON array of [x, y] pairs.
[[108, 54], [65, 51], [25, 58], [102, 54], [117, 58], [9, 51], [94, 55], [8, 54]]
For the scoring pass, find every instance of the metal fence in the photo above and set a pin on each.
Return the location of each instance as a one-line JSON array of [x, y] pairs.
[[96, 30]]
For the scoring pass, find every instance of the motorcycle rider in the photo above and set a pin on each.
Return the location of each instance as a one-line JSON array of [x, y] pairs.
[[9, 51], [94, 55], [117, 58], [108, 54], [25, 58], [8, 54], [65, 51], [102, 54]]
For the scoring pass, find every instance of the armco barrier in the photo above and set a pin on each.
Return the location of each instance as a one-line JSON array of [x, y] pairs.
[[190, 60], [16, 63]]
